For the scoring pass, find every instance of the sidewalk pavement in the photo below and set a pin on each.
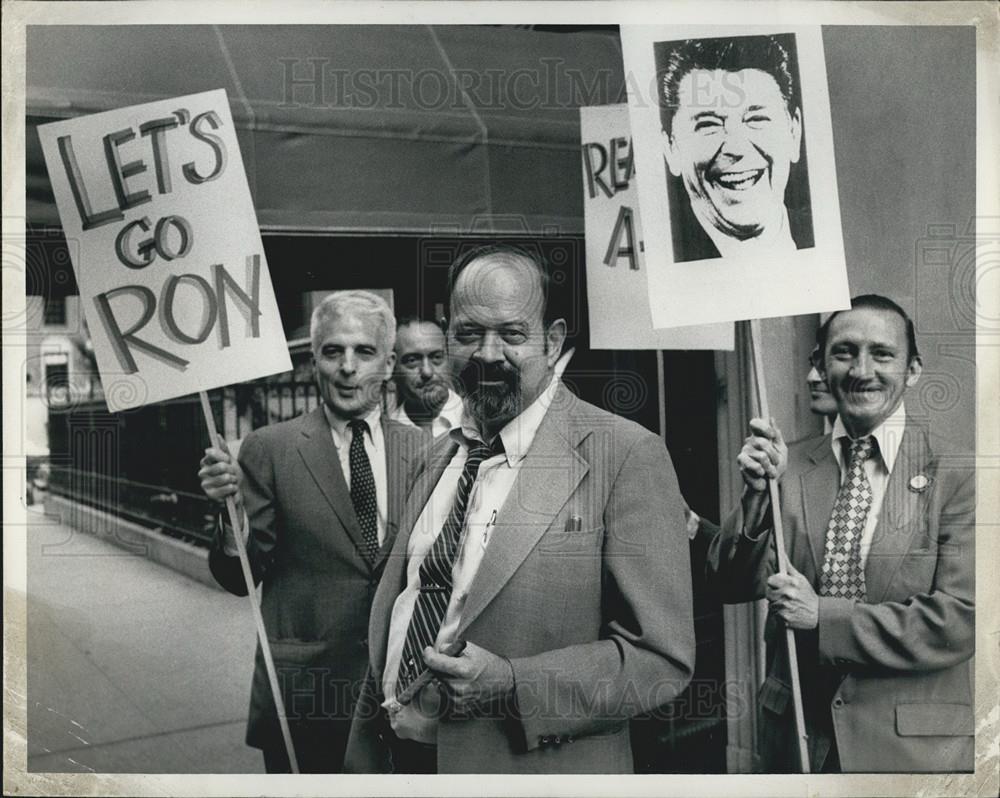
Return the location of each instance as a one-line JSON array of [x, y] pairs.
[[132, 667]]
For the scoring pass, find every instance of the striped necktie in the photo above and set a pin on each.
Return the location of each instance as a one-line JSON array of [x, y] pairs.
[[435, 571], [843, 576], [363, 489]]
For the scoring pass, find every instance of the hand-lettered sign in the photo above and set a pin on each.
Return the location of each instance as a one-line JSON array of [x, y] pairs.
[[168, 257], [617, 288]]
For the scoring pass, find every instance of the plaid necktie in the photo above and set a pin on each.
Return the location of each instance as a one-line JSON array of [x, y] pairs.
[[363, 489], [435, 571], [843, 576]]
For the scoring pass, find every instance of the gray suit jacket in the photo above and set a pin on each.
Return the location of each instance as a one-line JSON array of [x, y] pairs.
[[306, 547], [597, 623], [888, 678]]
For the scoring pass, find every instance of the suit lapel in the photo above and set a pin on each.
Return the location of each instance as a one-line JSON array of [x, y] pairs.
[[901, 507], [394, 578], [397, 463], [546, 479], [820, 484], [425, 482], [320, 456]]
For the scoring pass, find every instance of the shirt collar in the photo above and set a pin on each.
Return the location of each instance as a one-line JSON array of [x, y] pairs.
[[888, 435], [338, 425], [519, 433], [451, 413]]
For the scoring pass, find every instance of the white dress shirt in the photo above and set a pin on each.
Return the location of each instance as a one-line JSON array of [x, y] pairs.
[[448, 419], [374, 447], [888, 435], [418, 720]]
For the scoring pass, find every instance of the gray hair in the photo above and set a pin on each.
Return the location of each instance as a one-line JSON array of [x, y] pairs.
[[353, 303]]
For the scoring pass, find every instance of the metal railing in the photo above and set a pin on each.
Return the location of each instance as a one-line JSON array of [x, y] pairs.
[[142, 464], [180, 514]]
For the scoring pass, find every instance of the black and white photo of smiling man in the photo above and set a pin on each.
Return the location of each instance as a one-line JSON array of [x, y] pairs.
[[732, 139]]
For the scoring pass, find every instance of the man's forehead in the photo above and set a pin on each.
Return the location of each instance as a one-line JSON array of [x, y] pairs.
[[868, 326], [720, 90], [498, 287], [419, 335], [351, 324]]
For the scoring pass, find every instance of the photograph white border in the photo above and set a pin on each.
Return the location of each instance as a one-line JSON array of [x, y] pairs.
[[984, 15]]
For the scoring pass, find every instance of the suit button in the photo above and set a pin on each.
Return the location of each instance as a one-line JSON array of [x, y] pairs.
[[838, 703], [543, 740], [569, 738], [557, 740], [363, 642]]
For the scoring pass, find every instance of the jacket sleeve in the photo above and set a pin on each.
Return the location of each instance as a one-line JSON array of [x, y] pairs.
[[738, 563], [929, 630], [645, 655], [260, 506]]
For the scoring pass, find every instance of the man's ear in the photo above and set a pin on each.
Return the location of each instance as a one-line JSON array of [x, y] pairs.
[[555, 336], [913, 371], [670, 153], [795, 128], [390, 362]]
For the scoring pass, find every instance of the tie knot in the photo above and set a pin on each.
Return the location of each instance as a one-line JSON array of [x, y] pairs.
[[480, 451], [862, 448], [358, 427]]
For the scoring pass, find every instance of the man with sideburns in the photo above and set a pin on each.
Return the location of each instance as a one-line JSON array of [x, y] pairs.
[[538, 594], [323, 493], [879, 520]]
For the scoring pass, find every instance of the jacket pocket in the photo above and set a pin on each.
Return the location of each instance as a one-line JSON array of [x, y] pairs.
[[292, 651], [934, 720], [583, 542], [307, 691], [303, 676], [774, 695]]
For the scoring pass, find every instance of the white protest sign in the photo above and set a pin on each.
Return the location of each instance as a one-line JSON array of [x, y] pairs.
[[155, 205], [734, 148], [617, 286]]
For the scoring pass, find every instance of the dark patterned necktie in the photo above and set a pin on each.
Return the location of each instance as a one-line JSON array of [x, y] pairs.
[[363, 489], [435, 571], [843, 576]]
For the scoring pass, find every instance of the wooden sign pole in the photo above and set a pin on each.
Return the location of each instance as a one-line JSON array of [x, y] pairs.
[[265, 648], [779, 543]]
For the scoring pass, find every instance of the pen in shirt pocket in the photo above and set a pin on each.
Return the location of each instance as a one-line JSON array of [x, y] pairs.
[[489, 528]]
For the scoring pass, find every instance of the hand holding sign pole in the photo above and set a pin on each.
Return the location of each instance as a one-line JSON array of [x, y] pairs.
[[169, 263], [738, 190], [763, 411], [234, 521]]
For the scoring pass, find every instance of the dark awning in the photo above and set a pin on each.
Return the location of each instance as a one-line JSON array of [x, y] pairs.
[[388, 129]]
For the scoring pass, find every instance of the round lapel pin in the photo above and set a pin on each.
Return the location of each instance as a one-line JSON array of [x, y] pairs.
[[919, 483]]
